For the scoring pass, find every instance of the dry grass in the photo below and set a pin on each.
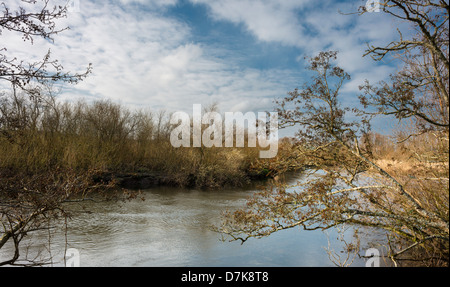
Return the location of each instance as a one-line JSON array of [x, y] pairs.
[[411, 167], [108, 137]]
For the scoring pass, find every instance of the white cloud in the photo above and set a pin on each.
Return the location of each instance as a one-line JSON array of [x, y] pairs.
[[312, 26], [268, 20], [151, 2], [145, 58]]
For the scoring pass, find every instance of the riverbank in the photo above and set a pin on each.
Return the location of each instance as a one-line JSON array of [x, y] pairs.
[[146, 180], [114, 143]]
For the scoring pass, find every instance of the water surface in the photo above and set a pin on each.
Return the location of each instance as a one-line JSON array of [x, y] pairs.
[[172, 227]]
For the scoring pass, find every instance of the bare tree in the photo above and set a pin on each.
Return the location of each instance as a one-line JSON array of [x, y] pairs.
[[41, 23], [420, 90], [27, 201], [346, 185]]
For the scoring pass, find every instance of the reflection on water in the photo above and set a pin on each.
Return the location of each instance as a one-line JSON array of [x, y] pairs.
[[172, 228]]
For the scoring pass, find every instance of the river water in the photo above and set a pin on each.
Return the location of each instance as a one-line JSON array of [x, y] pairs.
[[171, 228]]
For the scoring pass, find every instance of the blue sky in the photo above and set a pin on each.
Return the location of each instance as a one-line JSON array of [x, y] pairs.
[[240, 54]]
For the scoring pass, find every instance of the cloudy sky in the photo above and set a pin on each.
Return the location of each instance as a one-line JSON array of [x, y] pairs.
[[241, 54]]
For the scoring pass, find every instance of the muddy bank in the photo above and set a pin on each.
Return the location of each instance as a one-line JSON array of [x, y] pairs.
[[133, 180], [145, 180]]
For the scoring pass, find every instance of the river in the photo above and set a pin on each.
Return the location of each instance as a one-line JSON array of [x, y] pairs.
[[171, 228]]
